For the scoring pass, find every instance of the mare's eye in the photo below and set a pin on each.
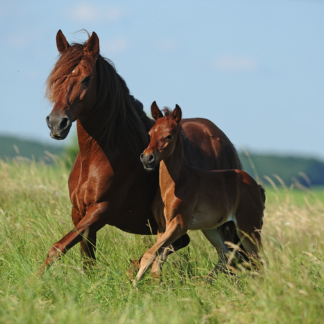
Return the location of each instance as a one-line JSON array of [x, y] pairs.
[[86, 81], [169, 137]]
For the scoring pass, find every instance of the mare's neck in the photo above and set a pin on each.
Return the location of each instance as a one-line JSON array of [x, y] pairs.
[[173, 167], [86, 141], [87, 131]]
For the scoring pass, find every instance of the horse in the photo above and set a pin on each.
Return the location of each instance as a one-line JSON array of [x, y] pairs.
[[195, 199], [107, 184]]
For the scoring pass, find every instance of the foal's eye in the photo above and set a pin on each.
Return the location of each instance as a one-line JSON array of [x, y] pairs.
[[86, 81], [169, 137]]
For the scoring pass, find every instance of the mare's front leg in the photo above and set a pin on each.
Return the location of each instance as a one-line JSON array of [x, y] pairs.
[[174, 230], [88, 243], [89, 224]]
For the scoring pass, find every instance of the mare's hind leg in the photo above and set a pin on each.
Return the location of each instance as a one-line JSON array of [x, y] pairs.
[[217, 238]]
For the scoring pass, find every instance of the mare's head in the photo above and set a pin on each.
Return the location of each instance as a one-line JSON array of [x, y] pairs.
[[71, 85], [164, 135]]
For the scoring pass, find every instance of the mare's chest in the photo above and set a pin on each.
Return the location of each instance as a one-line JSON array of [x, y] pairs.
[[90, 183]]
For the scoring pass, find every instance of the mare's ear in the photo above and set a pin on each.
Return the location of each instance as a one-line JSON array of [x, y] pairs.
[[155, 111], [92, 46], [61, 42], [177, 114]]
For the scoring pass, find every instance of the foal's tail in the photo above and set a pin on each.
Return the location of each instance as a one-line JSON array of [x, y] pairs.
[[263, 198]]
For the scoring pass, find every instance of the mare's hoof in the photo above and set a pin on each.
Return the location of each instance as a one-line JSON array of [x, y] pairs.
[[88, 265], [41, 270]]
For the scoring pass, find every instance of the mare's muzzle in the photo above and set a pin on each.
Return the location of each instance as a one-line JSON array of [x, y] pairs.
[[59, 125], [148, 160]]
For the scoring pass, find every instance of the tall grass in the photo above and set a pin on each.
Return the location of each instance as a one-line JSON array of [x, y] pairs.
[[35, 213]]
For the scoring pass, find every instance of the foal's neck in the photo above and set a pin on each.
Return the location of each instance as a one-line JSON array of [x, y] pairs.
[[173, 166]]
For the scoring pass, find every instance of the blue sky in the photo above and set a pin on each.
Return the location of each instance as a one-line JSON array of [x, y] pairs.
[[255, 68]]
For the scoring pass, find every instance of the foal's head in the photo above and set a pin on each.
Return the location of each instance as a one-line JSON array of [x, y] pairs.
[[71, 84], [164, 135]]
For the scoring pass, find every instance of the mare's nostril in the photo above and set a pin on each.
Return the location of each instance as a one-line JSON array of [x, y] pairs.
[[151, 158], [48, 122], [64, 123], [142, 157]]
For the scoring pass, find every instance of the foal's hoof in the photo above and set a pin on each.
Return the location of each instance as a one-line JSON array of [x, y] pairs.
[[220, 268], [133, 269], [156, 277]]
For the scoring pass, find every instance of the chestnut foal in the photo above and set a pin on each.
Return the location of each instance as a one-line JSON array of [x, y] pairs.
[[196, 199]]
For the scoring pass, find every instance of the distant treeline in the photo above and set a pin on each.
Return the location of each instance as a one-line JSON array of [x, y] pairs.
[[291, 169], [13, 147]]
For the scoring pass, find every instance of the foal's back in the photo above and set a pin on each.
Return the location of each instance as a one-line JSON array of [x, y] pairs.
[[224, 195]]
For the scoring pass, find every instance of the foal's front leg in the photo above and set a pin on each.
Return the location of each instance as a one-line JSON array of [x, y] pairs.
[[159, 259], [174, 230]]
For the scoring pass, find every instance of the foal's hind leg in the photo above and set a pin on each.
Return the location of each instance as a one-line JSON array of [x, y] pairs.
[[217, 238], [248, 230]]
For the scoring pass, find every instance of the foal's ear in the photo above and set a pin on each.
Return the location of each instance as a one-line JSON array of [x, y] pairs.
[[155, 111], [92, 46], [177, 114], [61, 42]]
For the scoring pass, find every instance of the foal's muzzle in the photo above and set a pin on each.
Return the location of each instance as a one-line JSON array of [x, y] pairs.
[[59, 125], [148, 160]]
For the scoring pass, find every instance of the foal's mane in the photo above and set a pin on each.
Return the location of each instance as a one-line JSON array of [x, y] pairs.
[[117, 116], [167, 112]]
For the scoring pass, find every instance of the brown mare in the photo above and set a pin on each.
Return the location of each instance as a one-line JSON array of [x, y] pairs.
[[107, 184], [195, 199]]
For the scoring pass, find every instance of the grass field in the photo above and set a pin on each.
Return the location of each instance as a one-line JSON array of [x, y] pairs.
[[35, 213]]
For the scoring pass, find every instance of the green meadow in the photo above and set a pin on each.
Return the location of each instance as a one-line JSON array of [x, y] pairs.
[[35, 213]]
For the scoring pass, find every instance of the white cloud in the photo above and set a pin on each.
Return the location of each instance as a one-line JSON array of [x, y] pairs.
[[91, 13], [22, 39], [114, 46], [5, 7], [234, 64], [166, 46], [18, 41]]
